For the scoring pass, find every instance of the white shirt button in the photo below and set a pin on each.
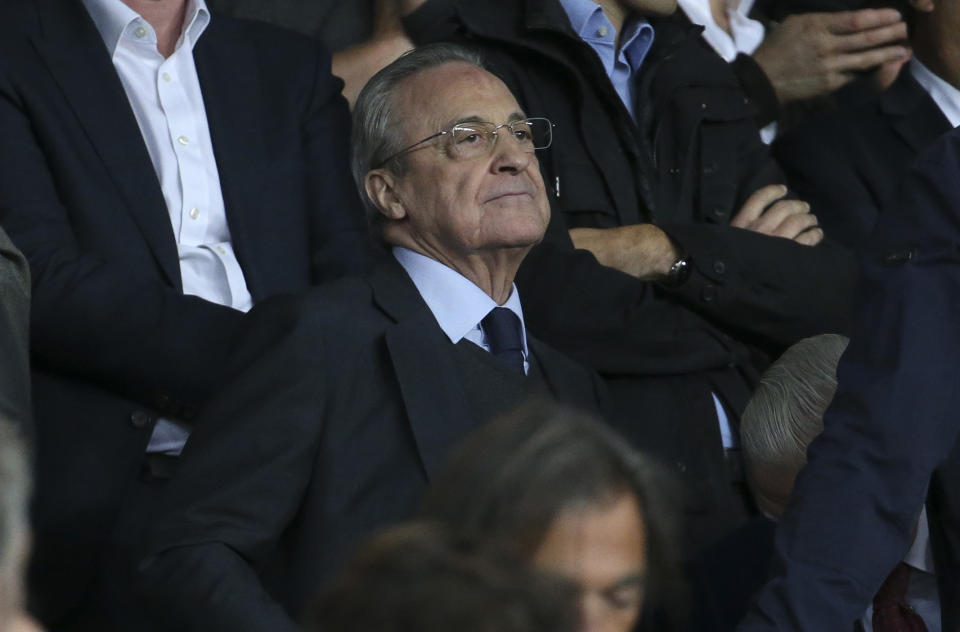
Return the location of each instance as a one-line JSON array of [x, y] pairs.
[[183, 140], [194, 213], [140, 32], [221, 250], [603, 31], [166, 77]]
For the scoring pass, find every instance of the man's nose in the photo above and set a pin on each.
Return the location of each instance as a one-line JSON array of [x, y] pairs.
[[510, 156]]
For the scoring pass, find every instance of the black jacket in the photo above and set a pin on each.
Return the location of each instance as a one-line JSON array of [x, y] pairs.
[[352, 400], [848, 165], [688, 163]]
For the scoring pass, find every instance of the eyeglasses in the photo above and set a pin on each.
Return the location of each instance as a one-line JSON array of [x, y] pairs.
[[465, 141]]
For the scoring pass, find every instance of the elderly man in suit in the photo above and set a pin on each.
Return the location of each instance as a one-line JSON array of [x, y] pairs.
[[848, 165], [356, 392], [162, 170], [14, 325], [891, 439]]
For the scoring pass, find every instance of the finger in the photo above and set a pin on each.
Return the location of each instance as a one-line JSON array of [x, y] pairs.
[[872, 38], [771, 220], [794, 225], [810, 237], [843, 22], [864, 60], [757, 203]]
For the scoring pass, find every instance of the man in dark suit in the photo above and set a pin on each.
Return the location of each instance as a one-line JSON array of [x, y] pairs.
[[698, 268], [890, 438], [14, 332], [848, 164], [161, 171], [338, 425]]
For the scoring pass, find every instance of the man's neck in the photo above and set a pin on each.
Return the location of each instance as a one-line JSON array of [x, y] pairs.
[[166, 17]]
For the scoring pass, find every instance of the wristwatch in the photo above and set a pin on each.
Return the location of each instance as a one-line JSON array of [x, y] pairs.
[[679, 272]]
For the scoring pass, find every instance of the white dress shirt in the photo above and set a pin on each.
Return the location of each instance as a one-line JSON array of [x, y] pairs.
[[746, 35], [165, 96], [455, 301], [946, 96]]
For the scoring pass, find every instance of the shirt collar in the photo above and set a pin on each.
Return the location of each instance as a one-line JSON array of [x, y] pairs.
[[920, 556], [946, 96], [592, 26], [455, 301], [113, 18]]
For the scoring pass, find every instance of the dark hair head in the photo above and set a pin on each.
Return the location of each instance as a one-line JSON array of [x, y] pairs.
[[509, 481], [420, 578]]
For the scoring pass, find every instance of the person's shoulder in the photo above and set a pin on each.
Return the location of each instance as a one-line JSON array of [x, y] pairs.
[[269, 40]]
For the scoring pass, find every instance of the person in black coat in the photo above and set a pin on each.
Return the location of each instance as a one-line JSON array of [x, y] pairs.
[[693, 293], [345, 413], [848, 165]]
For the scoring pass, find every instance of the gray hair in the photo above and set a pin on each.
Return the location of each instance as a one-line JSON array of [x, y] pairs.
[[14, 495], [377, 131], [786, 411]]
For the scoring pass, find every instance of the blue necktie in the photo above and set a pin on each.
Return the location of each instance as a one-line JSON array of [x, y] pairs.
[[503, 330]]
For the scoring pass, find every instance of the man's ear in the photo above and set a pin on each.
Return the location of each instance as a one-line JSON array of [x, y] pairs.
[[381, 187], [924, 6]]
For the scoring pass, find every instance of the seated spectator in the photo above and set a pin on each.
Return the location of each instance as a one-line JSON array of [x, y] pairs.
[[419, 578], [568, 495], [808, 55], [161, 170], [14, 335], [14, 529], [698, 269], [354, 394], [849, 165]]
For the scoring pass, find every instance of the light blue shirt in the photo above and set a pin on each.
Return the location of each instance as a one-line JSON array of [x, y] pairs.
[[593, 27], [455, 301]]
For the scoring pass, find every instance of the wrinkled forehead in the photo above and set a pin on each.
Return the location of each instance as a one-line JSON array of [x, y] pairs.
[[451, 93]]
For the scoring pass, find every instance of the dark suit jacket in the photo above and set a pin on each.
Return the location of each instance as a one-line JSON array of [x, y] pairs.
[[687, 164], [115, 342], [892, 430], [14, 331], [848, 164], [334, 430]]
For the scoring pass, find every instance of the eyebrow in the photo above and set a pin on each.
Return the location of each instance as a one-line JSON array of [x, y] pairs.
[[516, 116]]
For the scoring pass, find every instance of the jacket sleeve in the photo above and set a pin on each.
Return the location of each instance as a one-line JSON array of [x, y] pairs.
[[14, 328], [240, 483], [893, 419]]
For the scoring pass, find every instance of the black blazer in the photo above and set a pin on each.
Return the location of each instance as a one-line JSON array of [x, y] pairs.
[[848, 164], [891, 432], [14, 330], [334, 430], [115, 342]]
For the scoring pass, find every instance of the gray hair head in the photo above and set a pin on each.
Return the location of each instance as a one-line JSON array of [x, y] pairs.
[[14, 495], [786, 411], [377, 128]]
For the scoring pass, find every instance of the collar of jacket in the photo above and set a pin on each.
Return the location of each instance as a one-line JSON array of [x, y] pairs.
[[514, 21]]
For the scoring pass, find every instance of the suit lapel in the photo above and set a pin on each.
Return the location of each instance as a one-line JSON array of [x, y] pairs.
[[76, 56], [422, 357], [230, 75], [917, 118], [566, 383]]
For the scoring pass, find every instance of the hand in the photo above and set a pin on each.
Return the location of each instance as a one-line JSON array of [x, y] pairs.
[[640, 250], [767, 213], [812, 54]]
